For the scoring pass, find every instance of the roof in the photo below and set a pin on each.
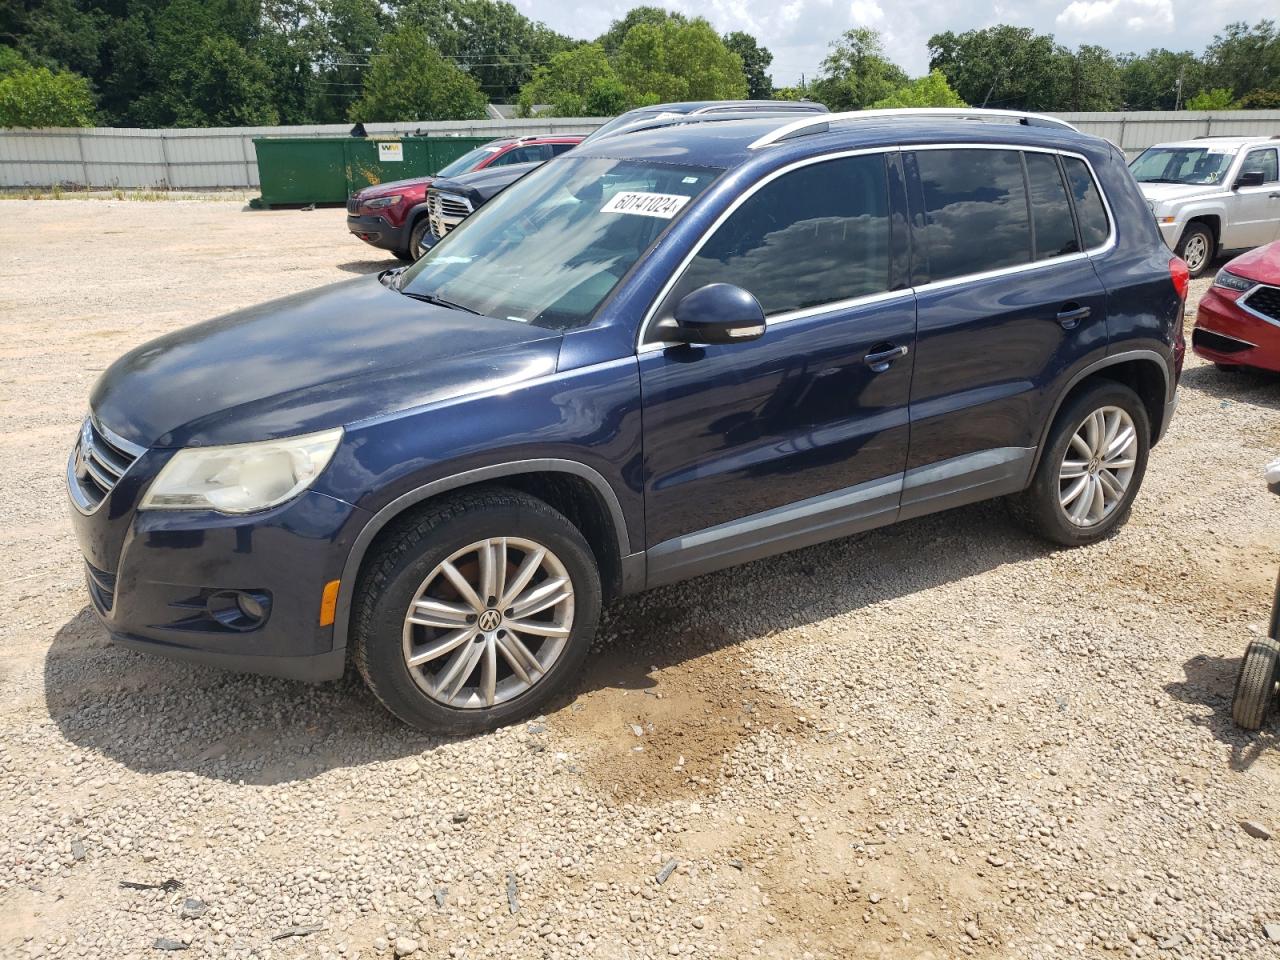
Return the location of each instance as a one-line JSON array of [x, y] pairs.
[[1201, 142], [737, 139]]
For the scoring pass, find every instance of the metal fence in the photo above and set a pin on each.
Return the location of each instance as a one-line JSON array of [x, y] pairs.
[[199, 159]]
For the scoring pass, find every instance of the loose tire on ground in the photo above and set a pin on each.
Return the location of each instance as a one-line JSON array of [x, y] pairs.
[[1255, 684], [409, 558], [1040, 507]]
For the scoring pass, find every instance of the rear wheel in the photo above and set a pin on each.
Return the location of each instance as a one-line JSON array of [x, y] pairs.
[[1196, 248], [420, 230], [1091, 469], [476, 612], [1255, 684]]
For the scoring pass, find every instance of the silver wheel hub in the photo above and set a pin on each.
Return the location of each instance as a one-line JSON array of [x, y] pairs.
[[1196, 251], [488, 622], [1097, 468]]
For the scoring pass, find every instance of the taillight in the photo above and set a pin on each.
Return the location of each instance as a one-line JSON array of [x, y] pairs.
[[1180, 276]]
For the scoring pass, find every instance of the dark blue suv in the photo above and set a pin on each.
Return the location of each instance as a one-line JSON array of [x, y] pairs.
[[677, 348]]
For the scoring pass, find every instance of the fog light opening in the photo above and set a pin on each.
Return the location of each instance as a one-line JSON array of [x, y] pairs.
[[240, 609]]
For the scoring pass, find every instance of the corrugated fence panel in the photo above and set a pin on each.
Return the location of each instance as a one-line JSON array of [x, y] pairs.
[[211, 158]]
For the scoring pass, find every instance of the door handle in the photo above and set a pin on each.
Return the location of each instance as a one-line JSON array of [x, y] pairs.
[[880, 360], [1071, 315]]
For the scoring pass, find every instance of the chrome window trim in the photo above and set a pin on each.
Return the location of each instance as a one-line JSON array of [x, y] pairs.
[[1243, 304], [1106, 246]]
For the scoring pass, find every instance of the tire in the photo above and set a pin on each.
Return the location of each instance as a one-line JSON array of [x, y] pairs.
[[409, 567], [1040, 508], [1196, 248], [420, 230], [403, 255], [1255, 684]]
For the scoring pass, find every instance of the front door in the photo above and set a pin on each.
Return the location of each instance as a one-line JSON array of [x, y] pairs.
[[758, 447], [1008, 305], [1255, 211]]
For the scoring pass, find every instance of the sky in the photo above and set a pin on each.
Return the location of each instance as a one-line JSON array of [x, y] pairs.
[[797, 31]]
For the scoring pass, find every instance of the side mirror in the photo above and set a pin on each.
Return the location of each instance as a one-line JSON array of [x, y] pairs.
[[714, 314], [1250, 178]]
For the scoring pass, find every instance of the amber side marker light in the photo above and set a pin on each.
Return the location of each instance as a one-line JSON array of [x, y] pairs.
[[329, 603]]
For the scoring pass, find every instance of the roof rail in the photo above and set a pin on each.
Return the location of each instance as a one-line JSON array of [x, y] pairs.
[[699, 116], [820, 123]]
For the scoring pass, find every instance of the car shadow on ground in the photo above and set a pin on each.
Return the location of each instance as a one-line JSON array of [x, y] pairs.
[[1210, 682], [369, 266], [154, 715], [1256, 387]]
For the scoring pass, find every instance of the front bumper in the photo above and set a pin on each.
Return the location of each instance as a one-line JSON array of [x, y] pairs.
[[167, 581], [1171, 233], [377, 232], [1226, 333]]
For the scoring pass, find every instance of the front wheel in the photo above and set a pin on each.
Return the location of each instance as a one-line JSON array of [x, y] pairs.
[[1196, 248], [475, 612], [1091, 469], [416, 236], [1255, 684]]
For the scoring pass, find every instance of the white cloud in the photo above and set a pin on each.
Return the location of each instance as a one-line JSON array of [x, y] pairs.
[[866, 13], [1134, 14]]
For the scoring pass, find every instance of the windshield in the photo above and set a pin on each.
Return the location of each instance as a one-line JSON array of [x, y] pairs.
[[551, 247], [468, 161], [1191, 165]]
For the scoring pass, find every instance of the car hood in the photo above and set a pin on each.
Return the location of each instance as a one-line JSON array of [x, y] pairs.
[[308, 362], [1261, 264], [482, 185], [1165, 192], [390, 187]]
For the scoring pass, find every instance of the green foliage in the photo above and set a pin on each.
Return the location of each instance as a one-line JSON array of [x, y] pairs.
[[11, 60], [38, 97], [790, 93], [223, 85], [1260, 100], [576, 83], [1151, 81], [856, 72], [755, 63], [611, 39], [1002, 66], [1219, 98], [1243, 58], [931, 90], [678, 60], [409, 79]]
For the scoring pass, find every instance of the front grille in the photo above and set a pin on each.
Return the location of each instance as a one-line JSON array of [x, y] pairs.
[[445, 211], [102, 586], [1263, 300], [352, 204], [99, 461]]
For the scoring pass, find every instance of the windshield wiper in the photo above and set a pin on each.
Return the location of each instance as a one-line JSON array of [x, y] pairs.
[[441, 302], [1165, 180]]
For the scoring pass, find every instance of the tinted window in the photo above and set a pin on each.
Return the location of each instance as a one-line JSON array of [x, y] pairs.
[[1264, 161], [1055, 231], [813, 236], [559, 148], [975, 211], [1089, 210], [523, 155]]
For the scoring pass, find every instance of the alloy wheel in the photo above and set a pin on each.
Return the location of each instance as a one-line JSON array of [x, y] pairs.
[[488, 622], [1098, 466], [1196, 252]]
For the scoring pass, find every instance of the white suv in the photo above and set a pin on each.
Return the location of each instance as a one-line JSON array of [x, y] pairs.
[[1212, 194]]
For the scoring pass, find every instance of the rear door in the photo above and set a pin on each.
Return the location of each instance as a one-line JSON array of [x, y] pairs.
[[799, 436], [1007, 304]]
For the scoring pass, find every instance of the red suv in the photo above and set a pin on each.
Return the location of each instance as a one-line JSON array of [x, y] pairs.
[[1238, 323], [393, 215]]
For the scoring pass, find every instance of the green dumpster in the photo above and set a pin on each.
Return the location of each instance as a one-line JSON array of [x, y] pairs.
[[301, 170]]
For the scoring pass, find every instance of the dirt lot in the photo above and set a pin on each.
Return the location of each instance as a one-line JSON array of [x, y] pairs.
[[938, 740]]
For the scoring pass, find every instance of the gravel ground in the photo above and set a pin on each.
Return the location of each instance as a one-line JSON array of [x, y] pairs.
[[938, 740]]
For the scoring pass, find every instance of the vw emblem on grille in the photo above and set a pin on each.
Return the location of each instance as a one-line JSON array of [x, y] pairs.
[[489, 620]]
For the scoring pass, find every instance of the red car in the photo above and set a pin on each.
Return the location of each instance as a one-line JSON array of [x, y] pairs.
[[393, 215], [1238, 323]]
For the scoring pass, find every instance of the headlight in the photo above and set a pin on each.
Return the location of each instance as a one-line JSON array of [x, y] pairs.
[[1230, 281], [382, 202], [243, 477]]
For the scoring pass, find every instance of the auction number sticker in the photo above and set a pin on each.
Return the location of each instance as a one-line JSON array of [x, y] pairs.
[[390, 151], [640, 204]]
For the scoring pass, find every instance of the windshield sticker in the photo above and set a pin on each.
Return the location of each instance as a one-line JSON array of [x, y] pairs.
[[663, 205]]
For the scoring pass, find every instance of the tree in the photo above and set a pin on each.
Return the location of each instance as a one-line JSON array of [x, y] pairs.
[[1260, 100], [1219, 98], [1095, 80], [931, 90], [351, 29], [611, 39], [678, 60], [1160, 79], [755, 63], [223, 85], [1002, 66], [408, 79], [1243, 58], [489, 39], [856, 73], [38, 97], [576, 83]]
